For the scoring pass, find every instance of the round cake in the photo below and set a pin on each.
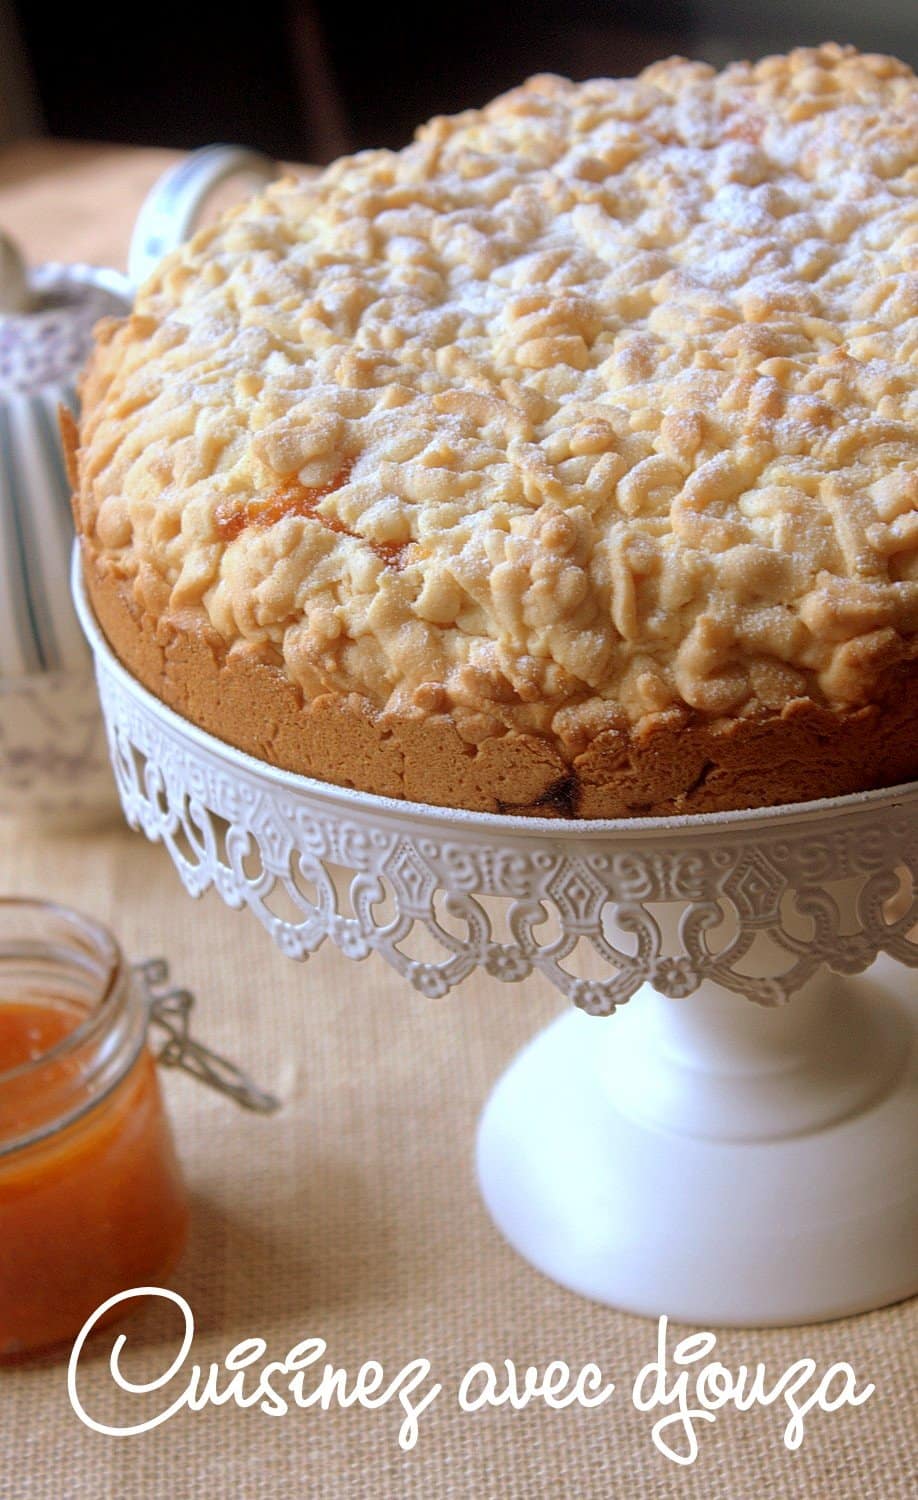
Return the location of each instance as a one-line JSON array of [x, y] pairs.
[[561, 463]]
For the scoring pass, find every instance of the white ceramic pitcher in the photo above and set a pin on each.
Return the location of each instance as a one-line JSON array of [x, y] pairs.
[[53, 756]]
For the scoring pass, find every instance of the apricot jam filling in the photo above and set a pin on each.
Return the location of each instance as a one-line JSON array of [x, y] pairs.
[[91, 1195], [296, 499]]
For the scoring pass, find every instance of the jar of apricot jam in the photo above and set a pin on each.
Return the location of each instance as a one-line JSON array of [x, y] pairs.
[[91, 1196]]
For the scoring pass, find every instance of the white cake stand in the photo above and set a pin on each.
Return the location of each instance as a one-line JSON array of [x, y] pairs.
[[721, 1161]]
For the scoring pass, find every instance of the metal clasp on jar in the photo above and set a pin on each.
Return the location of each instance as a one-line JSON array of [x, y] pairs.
[[170, 1009]]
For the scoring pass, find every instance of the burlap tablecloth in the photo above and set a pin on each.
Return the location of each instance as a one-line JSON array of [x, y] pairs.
[[352, 1214]]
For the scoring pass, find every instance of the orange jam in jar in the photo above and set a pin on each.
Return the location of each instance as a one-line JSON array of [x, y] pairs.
[[91, 1196]]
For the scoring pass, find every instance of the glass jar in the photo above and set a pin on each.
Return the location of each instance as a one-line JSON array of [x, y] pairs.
[[91, 1195]]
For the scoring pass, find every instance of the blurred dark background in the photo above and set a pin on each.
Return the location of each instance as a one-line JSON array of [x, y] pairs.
[[308, 79]]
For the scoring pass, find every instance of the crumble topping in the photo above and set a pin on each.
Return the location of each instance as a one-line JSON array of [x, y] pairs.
[[601, 400]]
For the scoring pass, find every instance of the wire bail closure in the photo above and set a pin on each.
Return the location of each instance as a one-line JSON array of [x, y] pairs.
[[170, 1009]]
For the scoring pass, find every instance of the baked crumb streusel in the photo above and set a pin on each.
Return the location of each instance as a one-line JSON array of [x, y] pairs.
[[566, 458]]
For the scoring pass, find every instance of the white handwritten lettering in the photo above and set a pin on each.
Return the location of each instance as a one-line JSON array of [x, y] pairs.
[[550, 1386], [715, 1387], [687, 1384], [334, 1386]]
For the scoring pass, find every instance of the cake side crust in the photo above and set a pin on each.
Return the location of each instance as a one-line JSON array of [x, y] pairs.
[[671, 764]]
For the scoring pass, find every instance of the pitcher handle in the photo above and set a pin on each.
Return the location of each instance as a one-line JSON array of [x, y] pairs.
[[170, 209]]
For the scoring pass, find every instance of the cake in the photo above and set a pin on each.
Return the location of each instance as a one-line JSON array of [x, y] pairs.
[[561, 463]]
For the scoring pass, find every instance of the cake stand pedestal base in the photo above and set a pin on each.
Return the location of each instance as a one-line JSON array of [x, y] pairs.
[[717, 1161]]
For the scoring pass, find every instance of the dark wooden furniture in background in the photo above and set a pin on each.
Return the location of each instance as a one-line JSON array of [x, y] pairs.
[[308, 79]]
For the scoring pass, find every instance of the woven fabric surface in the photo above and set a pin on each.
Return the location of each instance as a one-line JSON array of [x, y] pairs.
[[352, 1215]]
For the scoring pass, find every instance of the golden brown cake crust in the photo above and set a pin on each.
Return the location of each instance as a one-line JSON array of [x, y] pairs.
[[564, 462], [678, 763]]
